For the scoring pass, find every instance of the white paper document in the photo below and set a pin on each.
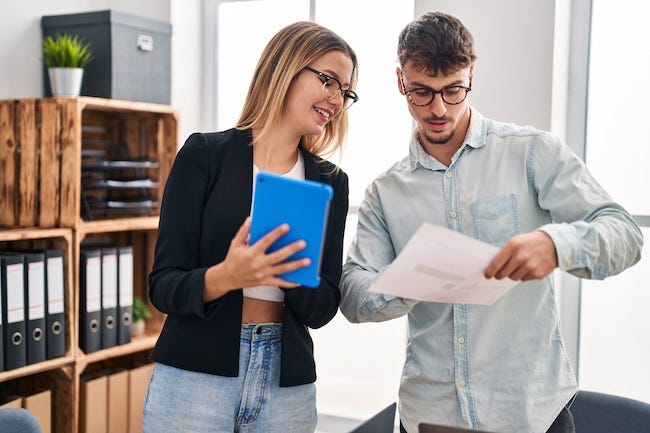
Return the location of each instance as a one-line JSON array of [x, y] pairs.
[[441, 265]]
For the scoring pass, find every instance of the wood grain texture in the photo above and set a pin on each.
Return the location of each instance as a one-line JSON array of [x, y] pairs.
[[28, 169], [7, 165], [50, 165]]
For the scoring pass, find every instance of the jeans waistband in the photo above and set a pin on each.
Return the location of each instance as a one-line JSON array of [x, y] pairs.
[[261, 331]]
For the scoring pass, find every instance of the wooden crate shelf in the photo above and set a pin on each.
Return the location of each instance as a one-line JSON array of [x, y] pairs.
[[41, 143], [41, 239], [141, 235], [50, 364], [63, 386], [137, 344]]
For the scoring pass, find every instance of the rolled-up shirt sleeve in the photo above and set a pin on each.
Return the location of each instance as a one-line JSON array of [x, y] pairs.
[[594, 236], [370, 254]]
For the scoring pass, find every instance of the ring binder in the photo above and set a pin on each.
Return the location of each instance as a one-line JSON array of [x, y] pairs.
[[34, 279], [55, 304], [125, 293], [90, 300], [13, 309], [109, 297]]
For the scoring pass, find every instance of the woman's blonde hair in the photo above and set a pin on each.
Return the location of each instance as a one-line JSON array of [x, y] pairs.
[[286, 54]]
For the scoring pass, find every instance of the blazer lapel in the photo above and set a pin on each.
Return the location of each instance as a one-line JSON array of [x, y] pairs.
[[312, 171]]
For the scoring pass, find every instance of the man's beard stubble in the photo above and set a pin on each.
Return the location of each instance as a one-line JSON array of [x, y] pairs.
[[426, 139]]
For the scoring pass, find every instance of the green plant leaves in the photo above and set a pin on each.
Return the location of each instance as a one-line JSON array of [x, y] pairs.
[[66, 51], [140, 309]]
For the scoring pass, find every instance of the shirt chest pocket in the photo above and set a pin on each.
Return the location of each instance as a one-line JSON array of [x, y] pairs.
[[495, 220]]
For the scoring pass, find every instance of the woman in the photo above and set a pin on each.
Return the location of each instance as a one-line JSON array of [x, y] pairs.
[[241, 360]]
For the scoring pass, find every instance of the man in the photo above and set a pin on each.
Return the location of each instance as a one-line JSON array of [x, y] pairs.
[[502, 367]]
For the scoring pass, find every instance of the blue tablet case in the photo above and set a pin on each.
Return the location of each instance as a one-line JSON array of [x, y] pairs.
[[304, 205]]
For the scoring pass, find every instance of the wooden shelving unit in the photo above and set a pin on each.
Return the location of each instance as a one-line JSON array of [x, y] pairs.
[[41, 143]]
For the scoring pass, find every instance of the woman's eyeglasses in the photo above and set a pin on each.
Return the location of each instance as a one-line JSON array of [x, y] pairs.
[[333, 87]]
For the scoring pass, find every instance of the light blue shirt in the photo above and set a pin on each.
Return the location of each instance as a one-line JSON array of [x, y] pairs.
[[502, 367]]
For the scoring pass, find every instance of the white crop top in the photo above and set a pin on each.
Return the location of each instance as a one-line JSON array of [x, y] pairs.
[[273, 293]]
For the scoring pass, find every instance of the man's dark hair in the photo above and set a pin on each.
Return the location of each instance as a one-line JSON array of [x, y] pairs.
[[437, 43]]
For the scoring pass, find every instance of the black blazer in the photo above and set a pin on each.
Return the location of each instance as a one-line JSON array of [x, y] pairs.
[[207, 198]]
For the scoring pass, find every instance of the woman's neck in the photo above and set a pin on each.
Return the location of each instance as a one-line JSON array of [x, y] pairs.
[[275, 152]]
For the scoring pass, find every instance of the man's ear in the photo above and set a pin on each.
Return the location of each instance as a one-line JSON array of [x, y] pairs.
[[398, 71]]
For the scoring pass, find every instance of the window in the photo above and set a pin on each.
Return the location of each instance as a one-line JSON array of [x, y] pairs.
[[243, 29], [614, 320]]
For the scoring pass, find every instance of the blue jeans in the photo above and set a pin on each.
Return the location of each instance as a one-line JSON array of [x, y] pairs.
[[185, 401], [18, 421]]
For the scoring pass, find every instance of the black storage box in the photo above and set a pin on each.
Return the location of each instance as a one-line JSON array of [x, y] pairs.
[[132, 55]]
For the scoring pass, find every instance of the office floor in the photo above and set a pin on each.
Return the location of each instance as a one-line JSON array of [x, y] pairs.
[[335, 424]]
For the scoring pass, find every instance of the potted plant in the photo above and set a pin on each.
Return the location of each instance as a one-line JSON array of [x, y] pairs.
[[140, 314], [65, 56]]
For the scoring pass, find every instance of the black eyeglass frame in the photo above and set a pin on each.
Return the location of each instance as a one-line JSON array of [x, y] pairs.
[[434, 92], [346, 93]]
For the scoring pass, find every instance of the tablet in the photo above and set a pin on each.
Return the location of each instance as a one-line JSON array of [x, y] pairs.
[[304, 205]]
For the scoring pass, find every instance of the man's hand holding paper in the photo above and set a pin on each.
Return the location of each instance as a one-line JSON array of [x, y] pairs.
[[440, 265]]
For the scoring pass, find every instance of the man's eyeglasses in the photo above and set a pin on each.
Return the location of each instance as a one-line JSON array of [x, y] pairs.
[[333, 87], [452, 95]]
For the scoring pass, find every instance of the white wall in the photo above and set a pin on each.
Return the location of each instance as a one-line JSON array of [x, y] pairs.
[[514, 44], [186, 17], [20, 33]]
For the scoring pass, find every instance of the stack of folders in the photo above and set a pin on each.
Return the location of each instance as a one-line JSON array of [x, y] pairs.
[[106, 297], [32, 312], [112, 400]]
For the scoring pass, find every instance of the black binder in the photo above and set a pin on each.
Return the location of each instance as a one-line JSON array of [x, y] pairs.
[[54, 304], [13, 310], [109, 297], [34, 272], [124, 293], [90, 300]]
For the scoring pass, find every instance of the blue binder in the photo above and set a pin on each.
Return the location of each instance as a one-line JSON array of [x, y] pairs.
[[304, 205]]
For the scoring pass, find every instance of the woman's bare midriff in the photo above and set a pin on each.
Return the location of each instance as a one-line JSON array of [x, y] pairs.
[[261, 311]]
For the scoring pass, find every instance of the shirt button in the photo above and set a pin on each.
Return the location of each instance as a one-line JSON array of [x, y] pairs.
[[461, 340], [449, 175], [453, 214], [569, 261], [461, 384]]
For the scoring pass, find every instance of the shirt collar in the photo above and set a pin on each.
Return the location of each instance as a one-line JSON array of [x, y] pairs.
[[475, 138]]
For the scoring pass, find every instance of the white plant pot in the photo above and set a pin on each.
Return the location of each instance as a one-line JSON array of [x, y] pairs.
[[65, 82], [137, 328]]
